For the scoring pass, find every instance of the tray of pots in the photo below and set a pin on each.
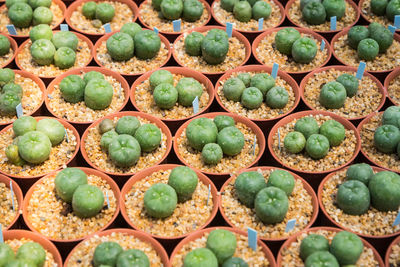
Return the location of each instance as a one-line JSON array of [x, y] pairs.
[[85, 95], [25, 248], [219, 144], [132, 51], [8, 50], [11, 201], [245, 15], [314, 142], [392, 85], [49, 54], [88, 17], [351, 197], [328, 246], [169, 201], [118, 247], [392, 258], [210, 50], [19, 88], [316, 14], [26, 14], [381, 11], [296, 50], [161, 14], [375, 45], [37, 146], [380, 138], [125, 143], [70, 204], [337, 89], [265, 199], [220, 246]]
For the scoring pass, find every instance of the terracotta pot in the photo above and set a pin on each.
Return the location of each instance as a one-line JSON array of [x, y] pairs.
[[396, 37], [301, 30], [260, 68], [389, 78], [74, 6], [115, 75], [348, 125], [314, 229], [13, 46], [150, 118], [281, 10], [333, 222], [67, 126], [46, 244], [350, 2], [237, 118], [236, 34], [105, 37], [342, 68], [57, 2], [307, 187], [142, 175], [41, 85], [18, 194], [88, 171], [139, 235], [200, 233], [389, 251], [173, 124], [22, 46], [172, 34]]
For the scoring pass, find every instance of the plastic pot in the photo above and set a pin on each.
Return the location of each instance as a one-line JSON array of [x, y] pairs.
[[164, 129], [14, 47], [18, 194], [389, 251], [88, 171], [395, 73], [301, 30], [342, 68]]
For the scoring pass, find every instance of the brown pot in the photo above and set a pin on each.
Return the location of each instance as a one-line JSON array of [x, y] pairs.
[[150, 118], [142, 236], [396, 38], [307, 187], [174, 34], [389, 251], [18, 194], [266, 69], [281, 10], [13, 46], [350, 2], [35, 237], [74, 6], [288, 119], [395, 73], [342, 68], [314, 229], [142, 175], [237, 118], [198, 234], [67, 126], [41, 85], [56, 81], [57, 2], [88, 171], [173, 124], [236, 34], [22, 46], [105, 37], [301, 30]]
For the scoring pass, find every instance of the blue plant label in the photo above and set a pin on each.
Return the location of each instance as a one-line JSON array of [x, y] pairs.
[[290, 225], [333, 23], [254, 144], [1, 234], [66, 135], [155, 30], [209, 192], [64, 27], [195, 104], [274, 71], [397, 21], [397, 220], [20, 111], [360, 70], [11, 29], [252, 238], [108, 200], [176, 24], [260, 24], [392, 29], [229, 29], [322, 45], [12, 195], [107, 27]]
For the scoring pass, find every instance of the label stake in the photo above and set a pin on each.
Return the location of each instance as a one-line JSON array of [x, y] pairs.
[[11, 29], [322, 45], [290, 225], [107, 27], [12, 195], [176, 25], [260, 24], [274, 71], [195, 104], [229, 29], [64, 27], [333, 23], [252, 238], [20, 111], [108, 200], [360, 70]]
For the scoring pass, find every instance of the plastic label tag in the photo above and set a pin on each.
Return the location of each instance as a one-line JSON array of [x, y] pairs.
[[108, 200], [392, 29], [254, 144], [260, 24], [1, 234], [252, 238], [195, 104], [19, 110], [107, 27], [274, 71], [397, 220], [176, 24], [290, 225], [11, 29], [66, 135], [209, 192], [12, 195], [360, 70], [64, 27], [50, 96], [322, 45], [155, 30], [229, 29], [397, 21], [333, 23]]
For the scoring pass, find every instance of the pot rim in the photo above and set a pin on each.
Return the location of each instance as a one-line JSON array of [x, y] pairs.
[[18, 194], [13, 46], [392, 75]]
